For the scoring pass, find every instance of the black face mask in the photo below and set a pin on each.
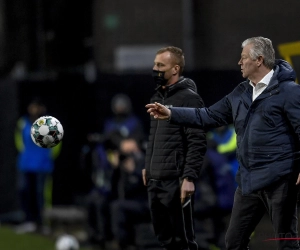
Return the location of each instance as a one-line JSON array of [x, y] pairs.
[[159, 77]]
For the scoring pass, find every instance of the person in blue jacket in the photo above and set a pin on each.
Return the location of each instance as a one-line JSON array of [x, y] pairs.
[[34, 165], [265, 111]]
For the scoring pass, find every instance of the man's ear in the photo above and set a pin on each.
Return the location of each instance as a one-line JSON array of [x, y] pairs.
[[259, 60], [176, 69]]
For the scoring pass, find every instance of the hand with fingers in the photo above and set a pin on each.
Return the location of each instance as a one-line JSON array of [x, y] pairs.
[[187, 190], [158, 111]]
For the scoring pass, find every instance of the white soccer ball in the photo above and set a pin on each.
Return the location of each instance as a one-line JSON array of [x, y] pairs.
[[47, 132], [67, 242]]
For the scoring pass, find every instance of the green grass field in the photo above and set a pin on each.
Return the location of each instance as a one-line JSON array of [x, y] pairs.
[[11, 241]]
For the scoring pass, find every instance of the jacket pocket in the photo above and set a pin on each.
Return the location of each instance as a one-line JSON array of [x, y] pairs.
[[261, 156], [264, 149]]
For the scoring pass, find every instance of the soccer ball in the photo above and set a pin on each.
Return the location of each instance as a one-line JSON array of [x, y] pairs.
[[47, 132], [66, 242]]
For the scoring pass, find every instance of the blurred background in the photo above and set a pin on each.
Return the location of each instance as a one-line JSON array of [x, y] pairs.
[[76, 56]]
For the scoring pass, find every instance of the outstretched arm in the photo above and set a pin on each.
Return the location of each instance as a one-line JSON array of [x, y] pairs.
[[219, 114], [158, 111]]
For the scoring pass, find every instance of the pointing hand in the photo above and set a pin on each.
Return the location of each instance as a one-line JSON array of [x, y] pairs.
[[158, 111]]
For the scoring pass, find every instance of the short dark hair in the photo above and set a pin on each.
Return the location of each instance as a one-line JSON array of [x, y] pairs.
[[177, 54]]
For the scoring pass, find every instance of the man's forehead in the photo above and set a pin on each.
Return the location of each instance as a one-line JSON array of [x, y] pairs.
[[248, 46], [246, 49], [163, 57], [244, 53]]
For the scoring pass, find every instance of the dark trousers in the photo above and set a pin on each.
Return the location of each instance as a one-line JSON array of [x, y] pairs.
[[173, 223], [126, 214], [31, 188], [279, 200], [99, 229]]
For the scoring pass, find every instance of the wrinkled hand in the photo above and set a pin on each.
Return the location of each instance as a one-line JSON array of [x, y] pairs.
[[158, 111], [298, 180], [187, 190]]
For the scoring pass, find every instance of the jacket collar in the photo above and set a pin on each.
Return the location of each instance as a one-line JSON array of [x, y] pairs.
[[182, 83]]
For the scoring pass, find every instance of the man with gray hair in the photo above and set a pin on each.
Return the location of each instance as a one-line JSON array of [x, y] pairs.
[[265, 111]]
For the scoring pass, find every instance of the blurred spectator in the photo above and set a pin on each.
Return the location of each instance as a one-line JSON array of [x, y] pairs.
[[217, 179], [101, 159], [131, 206], [98, 159], [221, 155], [123, 120], [35, 165]]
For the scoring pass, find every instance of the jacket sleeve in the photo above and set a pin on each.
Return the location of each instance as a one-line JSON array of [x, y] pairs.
[[291, 108], [217, 115], [195, 145], [196, 121]]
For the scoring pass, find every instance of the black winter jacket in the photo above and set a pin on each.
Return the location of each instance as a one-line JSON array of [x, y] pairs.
[[268, 129], [175, 151]]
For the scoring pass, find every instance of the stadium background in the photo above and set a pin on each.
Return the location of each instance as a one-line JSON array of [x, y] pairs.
[[73, 54]]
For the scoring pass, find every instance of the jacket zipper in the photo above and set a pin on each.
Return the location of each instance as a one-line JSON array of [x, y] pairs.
[[153, 146]]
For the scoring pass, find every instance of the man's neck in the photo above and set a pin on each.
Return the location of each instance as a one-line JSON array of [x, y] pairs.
[[260, 75], [172, 80]]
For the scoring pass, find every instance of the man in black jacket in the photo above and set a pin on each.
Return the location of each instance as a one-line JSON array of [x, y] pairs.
[[174, 155], [265, 111]]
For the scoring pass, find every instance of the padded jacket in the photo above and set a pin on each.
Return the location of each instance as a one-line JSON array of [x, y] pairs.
[[268, 129], [175, 151]]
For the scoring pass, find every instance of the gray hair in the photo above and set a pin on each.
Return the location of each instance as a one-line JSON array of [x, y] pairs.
[[261, 47]]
